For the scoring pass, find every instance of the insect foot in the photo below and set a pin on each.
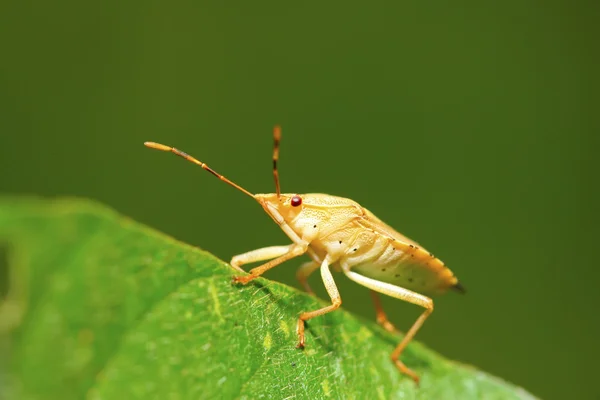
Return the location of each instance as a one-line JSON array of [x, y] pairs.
[[407, 371], [300, 331], [242, 279]]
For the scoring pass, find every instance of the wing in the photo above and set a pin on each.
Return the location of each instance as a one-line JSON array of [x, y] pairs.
[[429, 272], [383, 228]]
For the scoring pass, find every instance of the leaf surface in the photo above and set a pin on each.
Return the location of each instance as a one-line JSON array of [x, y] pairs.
[[113, 309]]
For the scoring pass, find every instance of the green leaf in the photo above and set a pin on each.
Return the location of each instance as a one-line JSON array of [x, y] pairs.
[[113, 309]]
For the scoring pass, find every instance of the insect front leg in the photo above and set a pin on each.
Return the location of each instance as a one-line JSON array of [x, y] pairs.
[[381, 316], [291, 251], [336, 302], [304, 272], [402, 294], [266, 253]]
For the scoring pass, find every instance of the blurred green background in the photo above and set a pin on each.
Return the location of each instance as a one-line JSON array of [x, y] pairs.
[[470, 127]]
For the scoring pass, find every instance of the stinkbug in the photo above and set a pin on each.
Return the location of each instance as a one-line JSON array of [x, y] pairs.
[[338, 232]]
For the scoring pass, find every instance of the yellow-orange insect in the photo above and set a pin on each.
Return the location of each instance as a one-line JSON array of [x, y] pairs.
[[338, 232]]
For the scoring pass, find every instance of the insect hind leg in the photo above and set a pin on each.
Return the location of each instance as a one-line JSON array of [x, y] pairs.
[[381, 316], [402, 294]]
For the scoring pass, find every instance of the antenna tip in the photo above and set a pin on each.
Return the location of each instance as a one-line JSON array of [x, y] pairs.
[[157, 146], [277, 132]]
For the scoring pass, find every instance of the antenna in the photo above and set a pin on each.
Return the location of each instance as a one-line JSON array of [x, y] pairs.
[[162, 147], [277, 139]]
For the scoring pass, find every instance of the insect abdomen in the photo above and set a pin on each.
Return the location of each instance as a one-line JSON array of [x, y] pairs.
[[409, 267]]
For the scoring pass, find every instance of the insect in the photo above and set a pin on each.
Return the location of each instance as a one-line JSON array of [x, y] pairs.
[[338, 233]]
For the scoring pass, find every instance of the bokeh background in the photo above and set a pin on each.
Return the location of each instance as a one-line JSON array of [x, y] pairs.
[[471, 127]]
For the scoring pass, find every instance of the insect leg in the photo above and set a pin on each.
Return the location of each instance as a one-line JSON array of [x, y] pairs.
[[381, 316], [336, 302], [304, 272], [265, 253], [294, 250], [402, 294]]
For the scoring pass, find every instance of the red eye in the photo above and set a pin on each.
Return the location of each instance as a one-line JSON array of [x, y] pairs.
[[296, 201]]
